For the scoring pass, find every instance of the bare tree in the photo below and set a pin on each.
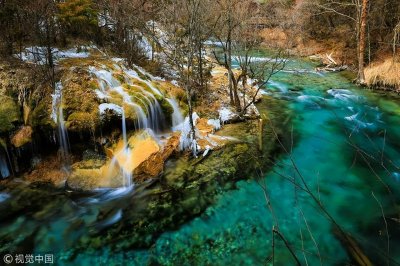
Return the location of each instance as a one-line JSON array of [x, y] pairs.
[[357, 12], [396, 34], [239, 40], [182, 46], [230, 16]]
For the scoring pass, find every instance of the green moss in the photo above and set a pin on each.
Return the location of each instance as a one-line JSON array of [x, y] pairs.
[[142, 85], [40, 115], [82, 121], [119, 77], [79, 101], [9, 114], [93, 84], [3, 143], [166, 108]]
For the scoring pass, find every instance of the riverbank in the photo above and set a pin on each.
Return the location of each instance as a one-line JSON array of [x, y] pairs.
[[382, 73]]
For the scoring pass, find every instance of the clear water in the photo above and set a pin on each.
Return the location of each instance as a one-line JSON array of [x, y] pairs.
[[333, 119]]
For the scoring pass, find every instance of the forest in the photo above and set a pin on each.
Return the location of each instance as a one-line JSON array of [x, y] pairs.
[[200, 132]]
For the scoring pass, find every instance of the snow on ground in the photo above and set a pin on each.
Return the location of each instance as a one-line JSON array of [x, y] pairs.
[[225, 115], [38, 54]]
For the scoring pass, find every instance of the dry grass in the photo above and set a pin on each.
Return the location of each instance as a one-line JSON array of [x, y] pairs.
[[384, 74]]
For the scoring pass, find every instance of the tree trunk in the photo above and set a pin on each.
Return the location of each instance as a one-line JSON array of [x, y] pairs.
[[362, 41], [229, 66], [200, 63]]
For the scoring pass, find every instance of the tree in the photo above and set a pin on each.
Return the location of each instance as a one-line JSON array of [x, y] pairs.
[[362, 41], [238, 35], [230, 15], [15, 25], [77, 18], [182, 46]]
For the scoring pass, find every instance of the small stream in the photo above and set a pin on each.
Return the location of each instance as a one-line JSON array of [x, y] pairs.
[[345, 147]]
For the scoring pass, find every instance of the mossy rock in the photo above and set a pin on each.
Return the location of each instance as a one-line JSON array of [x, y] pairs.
[[22, 136], [9, 114], [82, 121], [80, 102], [141, 75], [166, 108], [120, 77], [40, 116]]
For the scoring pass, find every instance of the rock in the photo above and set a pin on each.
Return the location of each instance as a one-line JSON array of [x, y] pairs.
[[203, 127], [154, 165], [22, 137], [92, 174], [48, 170], [9, 114], [143, 157], [141, 147]]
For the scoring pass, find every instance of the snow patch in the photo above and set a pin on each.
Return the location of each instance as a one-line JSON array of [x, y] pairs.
[[216, 123], [110, 106], [226, 115], [186, 137], [38, 54]]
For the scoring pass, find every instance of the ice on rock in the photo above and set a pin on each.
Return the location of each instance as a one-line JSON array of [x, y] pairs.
[[216, 123], [110, 106], [225, 115]]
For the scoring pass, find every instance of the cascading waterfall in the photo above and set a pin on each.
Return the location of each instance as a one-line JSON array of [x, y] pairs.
[[124, 152], [177, 117], [57, 115], [152, 117], [142, 100]]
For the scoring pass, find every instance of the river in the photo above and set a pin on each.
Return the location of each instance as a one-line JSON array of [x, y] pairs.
[[345, 149]]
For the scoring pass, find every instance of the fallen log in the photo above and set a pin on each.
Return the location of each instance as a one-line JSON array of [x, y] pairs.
[[331, 69]]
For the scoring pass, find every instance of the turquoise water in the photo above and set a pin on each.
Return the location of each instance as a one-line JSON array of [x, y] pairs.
[[345, 146], [333, 118]]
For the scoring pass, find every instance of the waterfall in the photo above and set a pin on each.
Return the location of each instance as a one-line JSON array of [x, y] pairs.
[[177, 117], [127, 176], [124, 152], [57, 115], [150, 116], [124, 129], [4, 171]]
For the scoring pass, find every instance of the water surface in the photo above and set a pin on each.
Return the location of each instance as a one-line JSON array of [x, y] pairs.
[[345, 147]]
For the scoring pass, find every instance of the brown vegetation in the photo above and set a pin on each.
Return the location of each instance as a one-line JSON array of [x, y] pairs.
[[383, 74]]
